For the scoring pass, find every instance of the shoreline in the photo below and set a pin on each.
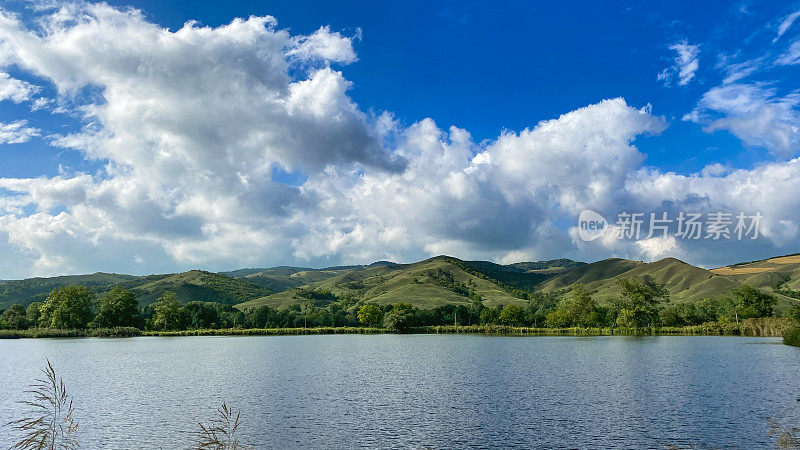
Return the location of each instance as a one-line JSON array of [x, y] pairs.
[[765, 327]]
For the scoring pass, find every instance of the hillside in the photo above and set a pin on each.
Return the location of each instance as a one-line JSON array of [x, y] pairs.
[[783, 271], [433, 282], [426, 284], [192, 285], [36, 289], [279, 279], [684, 281], [195, 285], [589, 274]]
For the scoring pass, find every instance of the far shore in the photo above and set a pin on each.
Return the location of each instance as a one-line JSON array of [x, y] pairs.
[[766, 327]]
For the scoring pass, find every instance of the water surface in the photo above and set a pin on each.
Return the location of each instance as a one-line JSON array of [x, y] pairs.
[[431, 391]]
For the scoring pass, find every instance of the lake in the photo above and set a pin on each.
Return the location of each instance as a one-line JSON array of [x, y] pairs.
[[430, 391]]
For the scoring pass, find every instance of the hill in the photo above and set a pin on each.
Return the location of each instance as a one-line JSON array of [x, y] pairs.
[[279, 279], [781, 271], [589, 274], [684, 281], [36, 289], [433, 282], [192, 285], [195, 285]]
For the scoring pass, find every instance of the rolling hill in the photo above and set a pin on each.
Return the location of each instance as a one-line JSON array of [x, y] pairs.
[[433, 282], [30, 290], [191, 285], [783, 271]]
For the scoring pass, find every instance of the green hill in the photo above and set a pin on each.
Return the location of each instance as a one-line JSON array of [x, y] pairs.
[[195, 285], [192, 285], [36, 289], [589, 274], [684, 281], [437, 281], [279, 279], [426, 284]]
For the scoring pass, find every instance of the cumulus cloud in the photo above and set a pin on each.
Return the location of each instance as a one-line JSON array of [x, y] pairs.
[[190, 126], [324, 45], [685, 66], [754, 113], [15, 90]]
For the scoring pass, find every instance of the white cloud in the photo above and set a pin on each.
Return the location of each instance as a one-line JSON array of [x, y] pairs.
[[326, 45], [16, 132], [15, 90], [686, 64], [786, 23], [754, 113], [192, 123], [791, 56]]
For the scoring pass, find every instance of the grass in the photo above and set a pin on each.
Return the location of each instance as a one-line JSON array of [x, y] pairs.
[[56, 333], [767, 327], [267, 331], [48, 423]]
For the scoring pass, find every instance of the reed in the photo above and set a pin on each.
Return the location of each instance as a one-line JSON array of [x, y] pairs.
[[48, 423]]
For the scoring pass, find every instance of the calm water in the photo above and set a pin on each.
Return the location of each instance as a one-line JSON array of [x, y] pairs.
[[419, 391]]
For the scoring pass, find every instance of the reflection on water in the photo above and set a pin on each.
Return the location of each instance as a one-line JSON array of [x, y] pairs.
[[418, 390]]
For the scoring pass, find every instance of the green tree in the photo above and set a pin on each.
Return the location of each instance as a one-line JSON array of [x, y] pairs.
[[640, 300], [749, 302], [400, 318], [559, 318], [169, 314], [370, 315], [581, 308], [14, 318], [118, 308], [512, 315], [33, 313], [68, 307], [794, 312]]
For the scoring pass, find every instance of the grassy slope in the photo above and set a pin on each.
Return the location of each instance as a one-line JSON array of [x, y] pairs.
[[280, 279], [420, 284], [195, 285], [591, 275], [766, 273], [684, 281], [36, 289]]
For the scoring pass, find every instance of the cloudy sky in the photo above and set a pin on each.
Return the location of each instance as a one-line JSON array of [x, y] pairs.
[[151, 136]]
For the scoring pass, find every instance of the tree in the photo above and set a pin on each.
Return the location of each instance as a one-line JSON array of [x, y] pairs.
[[370, 315], [33, 313], [14, 318], [512, 315], [640, 299], [581, 308], [68, 307], [202, 315], [169, 313], [558, 319], [118, 308], [749, 302], [400, 318]]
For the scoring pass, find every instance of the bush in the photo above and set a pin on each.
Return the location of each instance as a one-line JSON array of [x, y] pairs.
[[792, 337]]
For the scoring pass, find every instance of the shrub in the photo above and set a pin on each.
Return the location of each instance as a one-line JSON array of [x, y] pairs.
[[792, 337]]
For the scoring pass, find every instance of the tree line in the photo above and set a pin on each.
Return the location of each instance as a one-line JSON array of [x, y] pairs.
[[642, 303]]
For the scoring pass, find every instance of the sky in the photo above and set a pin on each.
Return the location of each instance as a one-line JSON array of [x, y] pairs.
[[145, 137]]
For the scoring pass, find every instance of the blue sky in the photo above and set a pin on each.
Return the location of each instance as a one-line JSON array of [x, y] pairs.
[[489, 68]]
